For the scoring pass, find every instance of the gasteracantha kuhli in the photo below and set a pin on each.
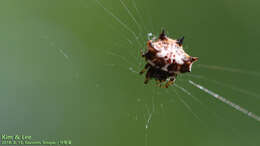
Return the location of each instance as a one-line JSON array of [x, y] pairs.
[[166, 59]]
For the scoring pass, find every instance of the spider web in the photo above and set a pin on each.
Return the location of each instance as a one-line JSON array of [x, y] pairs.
[[136, 32]]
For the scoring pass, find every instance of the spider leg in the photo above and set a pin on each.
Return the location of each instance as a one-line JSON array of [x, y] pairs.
[[145, 68], [162, 86], [158, 83], [142, 52], [148, 75], [146, 80], [171, 81]]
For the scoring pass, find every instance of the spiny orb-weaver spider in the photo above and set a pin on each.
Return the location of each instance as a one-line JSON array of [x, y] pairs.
[[166, 59]]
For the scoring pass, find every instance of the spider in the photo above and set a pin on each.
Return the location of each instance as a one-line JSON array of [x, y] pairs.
[[166, 59]]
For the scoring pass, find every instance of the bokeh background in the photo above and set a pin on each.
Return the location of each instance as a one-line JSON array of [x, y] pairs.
[[68, 70]]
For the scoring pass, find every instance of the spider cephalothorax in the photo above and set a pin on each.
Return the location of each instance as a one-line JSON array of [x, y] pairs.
[[165, 59]]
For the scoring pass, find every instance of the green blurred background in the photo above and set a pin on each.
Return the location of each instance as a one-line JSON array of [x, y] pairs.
[[69, 71]]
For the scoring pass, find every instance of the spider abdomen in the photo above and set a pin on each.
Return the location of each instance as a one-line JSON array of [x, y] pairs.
[[166, 58]]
